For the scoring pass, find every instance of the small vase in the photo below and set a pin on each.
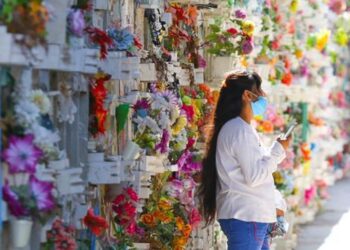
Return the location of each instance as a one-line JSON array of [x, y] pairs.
[[131, 151], [20, 232]]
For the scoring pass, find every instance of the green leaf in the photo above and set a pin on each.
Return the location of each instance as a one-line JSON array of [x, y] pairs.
[[214, 28]]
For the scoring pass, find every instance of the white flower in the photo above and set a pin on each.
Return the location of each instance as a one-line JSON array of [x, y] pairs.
[[164, 121], [40, 99], [27, 112]]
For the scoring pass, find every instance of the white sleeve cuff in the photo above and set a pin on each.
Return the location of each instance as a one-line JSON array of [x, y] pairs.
[[277, 152]]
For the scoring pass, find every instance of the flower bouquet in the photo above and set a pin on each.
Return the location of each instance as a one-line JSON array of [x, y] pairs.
[[61, 236], [235, 39], [28, 18]]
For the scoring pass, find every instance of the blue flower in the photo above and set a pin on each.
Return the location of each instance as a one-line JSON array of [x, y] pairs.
[[123, 39]]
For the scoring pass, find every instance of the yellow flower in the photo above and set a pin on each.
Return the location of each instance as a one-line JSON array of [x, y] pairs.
[[248, 27], [278, 177], [164, 204], [298, 53], [163, 217], [322, 39], [294, 6], [179, 242], [180, 224], [180, 124]]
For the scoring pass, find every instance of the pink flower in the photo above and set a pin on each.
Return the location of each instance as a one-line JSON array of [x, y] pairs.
[[132, 194], [247, 46], [42, 192], [240, 14], [65, 242], [22, 155], [129, 209], [195, 218], [13, 202], [189, 112], [163, 145], [131, 228], [202, 63]]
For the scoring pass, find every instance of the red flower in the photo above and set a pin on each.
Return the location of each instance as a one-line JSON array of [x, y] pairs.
[[275, 45], [119, 199], [232, 31], [101, 38], [189, 112], [129, 209], [118, 209], [65, 243], [287, 78], [132, 194], [137, 43], [56, 230], [94, 222]]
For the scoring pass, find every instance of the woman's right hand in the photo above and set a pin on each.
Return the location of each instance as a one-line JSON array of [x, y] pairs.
[[285, 143]]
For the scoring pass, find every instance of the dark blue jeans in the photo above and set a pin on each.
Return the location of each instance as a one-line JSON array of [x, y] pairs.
[[243, 235]]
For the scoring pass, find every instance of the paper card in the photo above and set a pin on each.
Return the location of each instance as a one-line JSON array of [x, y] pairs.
[[198, 75]]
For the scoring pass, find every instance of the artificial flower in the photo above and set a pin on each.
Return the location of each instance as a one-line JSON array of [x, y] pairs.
[[65, 242], [129, 209], [95, 223], [21, 154], [240, 14], [148, 220], [163, 146], [179, 125], [164, 204], [187, 229], [162, 216], [232, 31], [41, 100], [195, 218], [13, 202], [99, 37], [322, 39], [294, 6], [337, 6], [42, 193], [137, 43], [180, 224], [298, 53], [132, 194], [248, 28], [247, 46], [131, 228], [341, 37], [192, 13], [123, 39], [287, 78], [309, 194], [27, 112], [76, 22], [180, 241]]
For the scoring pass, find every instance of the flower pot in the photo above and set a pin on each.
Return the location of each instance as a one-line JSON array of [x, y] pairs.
[[131, 151], [20, 232]]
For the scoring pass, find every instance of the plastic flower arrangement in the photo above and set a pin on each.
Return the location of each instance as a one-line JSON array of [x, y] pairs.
[[100, 38], [61, 236], [155, 119], [76, 22], [97, 224], [26, 17], [28, 197], [237, 39], [170, 215], [123, 39], [125, 227]]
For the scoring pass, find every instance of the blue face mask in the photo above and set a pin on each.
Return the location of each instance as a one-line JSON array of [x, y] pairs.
[[259, 106]]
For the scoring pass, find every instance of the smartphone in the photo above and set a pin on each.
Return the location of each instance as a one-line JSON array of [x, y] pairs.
[[289, 131]]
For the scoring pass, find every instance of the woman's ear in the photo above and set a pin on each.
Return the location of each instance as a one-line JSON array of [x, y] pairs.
[[246, 97]]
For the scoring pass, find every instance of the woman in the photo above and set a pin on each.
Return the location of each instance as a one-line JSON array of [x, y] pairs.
[[236, 183]]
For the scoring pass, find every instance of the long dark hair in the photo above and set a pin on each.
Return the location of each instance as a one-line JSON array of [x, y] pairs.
[[229, 106]]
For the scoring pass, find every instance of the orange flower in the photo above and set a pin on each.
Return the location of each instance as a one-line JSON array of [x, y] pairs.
[[187, 230], [148, 219], [287, 78], [180, 223], [164, 204], [267, 126], [160, 215], [179, 242]]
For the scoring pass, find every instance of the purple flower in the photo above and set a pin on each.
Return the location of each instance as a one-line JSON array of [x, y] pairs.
[[240, 14], [42, 192], [76, 22], [170, 97], [142, 104], [163, 146], [13, 202], [22, 155], [247, 46], [202, 63]]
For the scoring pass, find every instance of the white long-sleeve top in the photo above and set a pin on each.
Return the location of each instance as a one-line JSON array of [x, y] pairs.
[[246, 187]]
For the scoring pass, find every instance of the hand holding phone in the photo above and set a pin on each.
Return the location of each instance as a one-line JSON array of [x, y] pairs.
[[289, 131]]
